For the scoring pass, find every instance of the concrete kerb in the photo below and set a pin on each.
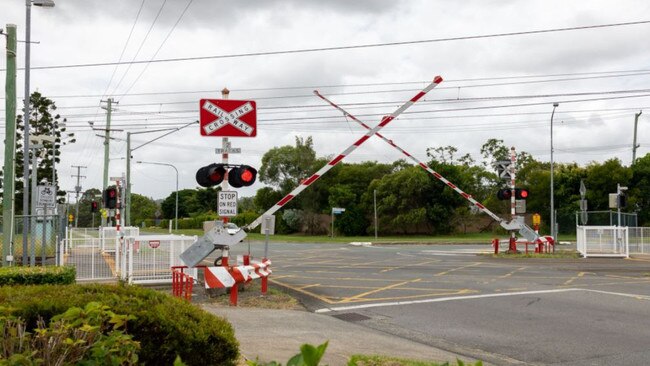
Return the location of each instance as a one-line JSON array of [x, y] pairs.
[[276, 335]]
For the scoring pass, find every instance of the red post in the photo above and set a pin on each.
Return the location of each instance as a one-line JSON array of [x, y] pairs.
[[495, 244], [265, 284], [526, 247], [233, 295], [513, 245], [247, 259]]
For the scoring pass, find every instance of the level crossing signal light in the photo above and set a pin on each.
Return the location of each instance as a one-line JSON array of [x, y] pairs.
[[238, 176], [521, 193], [110, 198], [94, 206], [506, 193]]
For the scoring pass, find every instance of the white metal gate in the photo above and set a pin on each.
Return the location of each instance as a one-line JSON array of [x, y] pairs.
[[101, 256], [603, 241]]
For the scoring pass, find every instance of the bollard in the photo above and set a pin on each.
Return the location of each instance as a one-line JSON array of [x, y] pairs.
[[233, 295], [495, 244], [513, 245], [265, 284]]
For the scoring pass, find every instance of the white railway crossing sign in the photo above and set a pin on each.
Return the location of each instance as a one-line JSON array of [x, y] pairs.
[[228, 118], [503, 169]]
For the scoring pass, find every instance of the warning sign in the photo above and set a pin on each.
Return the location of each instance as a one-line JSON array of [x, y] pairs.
[[227, 204], [228, 118]]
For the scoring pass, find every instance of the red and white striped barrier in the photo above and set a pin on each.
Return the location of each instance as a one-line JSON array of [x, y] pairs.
[[225, 277], [416, 161], [307, 182], [230, 277]]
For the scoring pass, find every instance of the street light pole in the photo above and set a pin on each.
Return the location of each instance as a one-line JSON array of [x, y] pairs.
[[553, 233], [26, 118], [165, 164], [127, 211]]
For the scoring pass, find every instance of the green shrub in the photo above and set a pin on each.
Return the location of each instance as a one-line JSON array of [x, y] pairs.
[[48, 275], [164, 326], [92, 336]]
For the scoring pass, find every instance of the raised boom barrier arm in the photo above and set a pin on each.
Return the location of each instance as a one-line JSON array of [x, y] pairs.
[[216, 238], [372, 131], [513, 225]]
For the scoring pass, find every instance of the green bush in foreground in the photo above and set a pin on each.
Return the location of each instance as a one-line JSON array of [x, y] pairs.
[[90, 336], [40, 275], [164, 326]]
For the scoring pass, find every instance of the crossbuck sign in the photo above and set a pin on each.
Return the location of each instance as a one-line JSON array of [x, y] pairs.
[[228, 118]]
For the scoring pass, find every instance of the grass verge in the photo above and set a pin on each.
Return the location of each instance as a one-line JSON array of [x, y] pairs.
[[251, 297]]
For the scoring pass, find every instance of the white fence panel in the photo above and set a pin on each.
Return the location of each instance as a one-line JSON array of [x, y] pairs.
[[86, 256], [603, 241], [150, 257], [639, 240]]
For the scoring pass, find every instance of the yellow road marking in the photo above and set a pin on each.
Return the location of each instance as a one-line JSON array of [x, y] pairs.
[[309, 293], [570, 280], [399, 298], [361, 295], [410, 265], [457, 269]]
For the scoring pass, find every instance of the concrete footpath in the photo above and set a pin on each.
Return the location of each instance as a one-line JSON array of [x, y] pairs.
[[276, 335]]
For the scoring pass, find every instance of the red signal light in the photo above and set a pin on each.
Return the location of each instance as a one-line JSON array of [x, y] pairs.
[[242, 176], [211, 175], [521, 193]]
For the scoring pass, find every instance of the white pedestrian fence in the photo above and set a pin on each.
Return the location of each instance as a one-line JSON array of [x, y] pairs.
[[110, 233], [639, 240], [100, 255], [603, 241]]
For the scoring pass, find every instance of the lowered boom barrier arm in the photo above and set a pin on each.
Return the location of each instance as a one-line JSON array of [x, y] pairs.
[[307, 182], [524, 230]]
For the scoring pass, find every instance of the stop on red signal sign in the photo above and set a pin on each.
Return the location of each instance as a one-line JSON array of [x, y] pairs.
[[228, 118]]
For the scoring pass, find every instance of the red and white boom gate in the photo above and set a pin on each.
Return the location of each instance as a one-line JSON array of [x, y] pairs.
[[514, 224], [218, 238]]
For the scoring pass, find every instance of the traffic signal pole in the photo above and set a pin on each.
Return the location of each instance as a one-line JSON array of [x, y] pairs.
[[225, 145], [307, 182]]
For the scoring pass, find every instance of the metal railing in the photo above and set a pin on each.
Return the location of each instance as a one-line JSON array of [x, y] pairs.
[[639, 240], [603, 241]]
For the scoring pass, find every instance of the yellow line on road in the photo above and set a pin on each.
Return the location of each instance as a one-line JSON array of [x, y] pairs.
[[457, 269], [409, 265], [361, 295], [570, 280], [400, 298], [319, 297]]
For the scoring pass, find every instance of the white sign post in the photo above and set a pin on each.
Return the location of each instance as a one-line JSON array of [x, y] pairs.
[[227, 204]]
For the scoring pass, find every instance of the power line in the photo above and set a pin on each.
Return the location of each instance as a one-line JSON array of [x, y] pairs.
[[132, 62], [159, 48], [338, 48]]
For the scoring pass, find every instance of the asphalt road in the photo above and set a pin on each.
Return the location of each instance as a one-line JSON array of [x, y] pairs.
[[503, 311]]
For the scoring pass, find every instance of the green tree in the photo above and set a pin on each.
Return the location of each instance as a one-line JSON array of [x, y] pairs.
[[142, 208], [187, 204], [43, 120], [285, 167], [639, 190], [601, 181]]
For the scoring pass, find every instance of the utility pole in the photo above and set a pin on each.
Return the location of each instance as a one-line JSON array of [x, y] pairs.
[[107, 139], [634, 144], [77, 189], [8, 201]]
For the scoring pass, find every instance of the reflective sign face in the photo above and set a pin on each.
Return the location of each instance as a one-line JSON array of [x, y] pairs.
[[228, 118]]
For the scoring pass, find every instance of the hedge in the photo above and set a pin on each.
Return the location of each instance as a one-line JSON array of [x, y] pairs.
[[164, 326], [40, 275]]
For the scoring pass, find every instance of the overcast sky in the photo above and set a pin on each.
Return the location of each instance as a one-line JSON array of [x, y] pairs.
[[600, 77]]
